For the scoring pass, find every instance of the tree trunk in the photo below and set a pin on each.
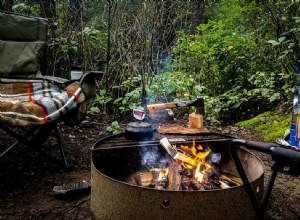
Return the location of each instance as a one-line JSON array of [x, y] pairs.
[[6, 5], [48, 9], [197, 14]]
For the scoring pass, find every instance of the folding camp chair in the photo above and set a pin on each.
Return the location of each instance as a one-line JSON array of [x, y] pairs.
[[30, 101]]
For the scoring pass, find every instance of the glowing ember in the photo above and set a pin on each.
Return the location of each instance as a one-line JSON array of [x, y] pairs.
[[163, 174]]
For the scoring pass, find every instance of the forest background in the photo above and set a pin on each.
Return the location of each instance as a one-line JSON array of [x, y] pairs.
[[240, 55]]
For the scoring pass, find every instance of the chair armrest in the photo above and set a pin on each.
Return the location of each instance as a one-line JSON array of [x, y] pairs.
[[88, 83], [90, 75]]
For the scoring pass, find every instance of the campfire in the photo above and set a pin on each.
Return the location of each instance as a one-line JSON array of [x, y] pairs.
[[169, 182], [193, 167]]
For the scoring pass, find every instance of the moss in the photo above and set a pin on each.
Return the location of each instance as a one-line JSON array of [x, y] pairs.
[[269, 125]]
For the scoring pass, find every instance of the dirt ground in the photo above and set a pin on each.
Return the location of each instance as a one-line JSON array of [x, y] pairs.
[[27, 176]]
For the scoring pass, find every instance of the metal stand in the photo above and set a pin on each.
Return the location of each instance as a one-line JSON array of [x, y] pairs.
[[34, 137], [260, 207]]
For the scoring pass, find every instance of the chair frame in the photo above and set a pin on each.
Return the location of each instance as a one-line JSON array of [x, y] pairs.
[[32, 133], [29, 136]]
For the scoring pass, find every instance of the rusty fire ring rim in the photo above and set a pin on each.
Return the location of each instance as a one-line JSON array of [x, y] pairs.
[[142, 187]]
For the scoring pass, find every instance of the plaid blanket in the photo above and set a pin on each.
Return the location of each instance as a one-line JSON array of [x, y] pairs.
[[35, 102]]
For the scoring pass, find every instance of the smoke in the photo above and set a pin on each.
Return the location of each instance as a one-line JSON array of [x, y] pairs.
[[151, 157]]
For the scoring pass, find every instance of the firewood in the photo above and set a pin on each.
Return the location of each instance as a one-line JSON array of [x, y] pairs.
[[131, 180], [232, 179], [195, 120], [185, 181], [168, 147], [160, 187], [141, 178], [174, 177], [186, 151], [196, 185], [186, 172], [144, 178], [155, 169], [162, 183], [223, 185], [229, 180], [185, 158], [155, 176]]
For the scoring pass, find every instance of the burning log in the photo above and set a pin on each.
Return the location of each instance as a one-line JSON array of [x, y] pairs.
[[174, 177], [185, 183], [192, 169], [168, 147], [196, 185], [185, 158], [162, 180]]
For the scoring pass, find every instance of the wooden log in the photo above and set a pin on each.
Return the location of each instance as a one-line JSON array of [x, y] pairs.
[[174, 177], [195, 185], [235, 181], [141, 178], [161, 183], [223, 185], [185, 158], [168, 147]]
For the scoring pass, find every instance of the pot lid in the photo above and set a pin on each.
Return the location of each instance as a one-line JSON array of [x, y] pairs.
[[139, 125]]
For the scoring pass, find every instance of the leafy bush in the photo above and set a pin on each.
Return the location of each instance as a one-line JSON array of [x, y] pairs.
[[114, 128]]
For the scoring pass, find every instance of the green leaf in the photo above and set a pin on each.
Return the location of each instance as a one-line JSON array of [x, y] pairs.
[[281, 39], [94, 110], [115, 123], [274, 97], [73, 50], [273, 42], [118, 100], [64, 48], [102, 92]]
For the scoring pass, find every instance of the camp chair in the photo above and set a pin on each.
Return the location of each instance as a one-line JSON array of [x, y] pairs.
[[32, 103]]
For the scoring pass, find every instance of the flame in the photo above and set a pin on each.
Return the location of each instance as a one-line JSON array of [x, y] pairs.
[[198, 174], [194, 156], [163, 174], [190, 153]]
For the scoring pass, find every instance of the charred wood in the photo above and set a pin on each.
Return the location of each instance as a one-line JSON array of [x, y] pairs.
[[174, 177]]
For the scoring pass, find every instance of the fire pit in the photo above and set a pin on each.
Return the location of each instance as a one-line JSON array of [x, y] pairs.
[[115, 160]]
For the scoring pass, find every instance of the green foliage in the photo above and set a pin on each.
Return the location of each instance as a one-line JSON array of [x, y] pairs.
[[131, 98], [222, 55], [114, 128], [241, 59], [21, 7], [268, 125], [101, 100], [94, 46], [230, 58]]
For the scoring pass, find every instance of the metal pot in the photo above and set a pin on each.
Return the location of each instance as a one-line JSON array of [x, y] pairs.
[[139, 131]]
